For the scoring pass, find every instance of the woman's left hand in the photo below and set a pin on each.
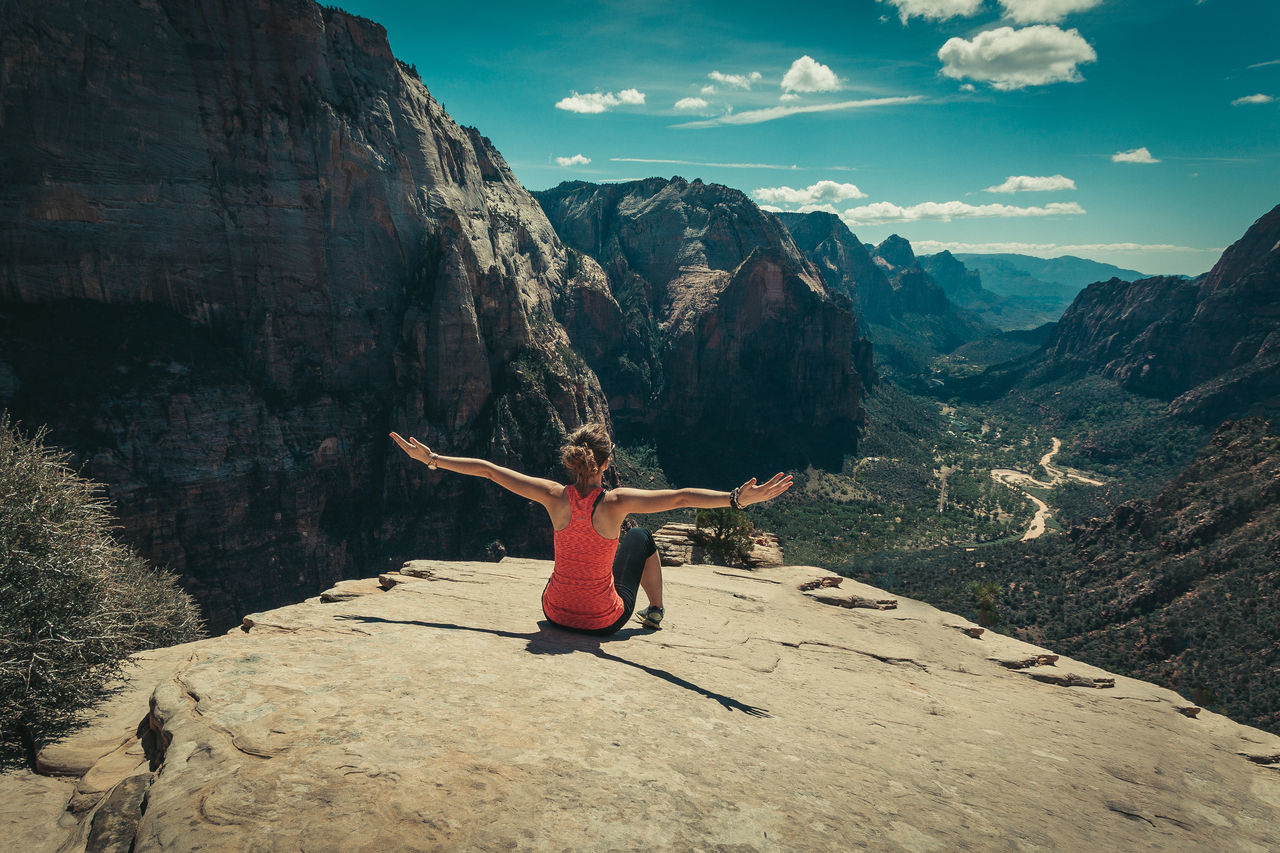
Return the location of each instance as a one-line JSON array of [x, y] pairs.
[[749, 493], [414, 448]]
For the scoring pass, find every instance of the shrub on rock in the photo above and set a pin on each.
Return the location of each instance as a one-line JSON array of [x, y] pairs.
[[74, 602], [725, 533]]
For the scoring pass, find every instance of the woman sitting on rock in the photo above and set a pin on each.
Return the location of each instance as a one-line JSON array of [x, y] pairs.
[[594, 583]]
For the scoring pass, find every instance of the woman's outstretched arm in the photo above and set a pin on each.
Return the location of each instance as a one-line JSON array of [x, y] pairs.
[[661, 500], [534, 488]]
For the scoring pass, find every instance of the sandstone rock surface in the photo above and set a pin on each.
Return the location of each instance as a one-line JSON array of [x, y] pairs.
[[444, 714]]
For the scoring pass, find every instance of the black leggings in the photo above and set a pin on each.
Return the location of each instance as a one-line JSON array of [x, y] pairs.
[[628, 565]]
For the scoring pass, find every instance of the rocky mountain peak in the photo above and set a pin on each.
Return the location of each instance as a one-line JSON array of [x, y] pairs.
[[1256, 250], [888, 286], [896, 251], [960, 283], [700, 283], [844, 262]]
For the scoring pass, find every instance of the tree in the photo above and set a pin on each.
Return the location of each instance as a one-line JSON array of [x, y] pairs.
[[74, 602], [987, 595], [725, 533]]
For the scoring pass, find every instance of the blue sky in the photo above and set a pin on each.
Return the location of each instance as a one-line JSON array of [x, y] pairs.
[[1144, 133]]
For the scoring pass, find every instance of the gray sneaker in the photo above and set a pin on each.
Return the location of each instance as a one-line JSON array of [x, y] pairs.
[[650, 617]]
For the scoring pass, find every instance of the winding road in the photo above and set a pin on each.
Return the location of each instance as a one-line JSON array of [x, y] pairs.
[[1016, 479]]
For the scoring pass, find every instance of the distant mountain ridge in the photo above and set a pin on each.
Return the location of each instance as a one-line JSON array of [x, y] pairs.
[[1019, 291], [908, 314], [1209, 345], [1066, 270]]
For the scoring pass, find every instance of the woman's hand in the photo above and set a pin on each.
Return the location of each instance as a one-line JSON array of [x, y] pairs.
[[749, 493], [415, 449]]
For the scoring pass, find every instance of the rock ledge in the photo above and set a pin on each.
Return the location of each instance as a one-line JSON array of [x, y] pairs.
[[432, 709]]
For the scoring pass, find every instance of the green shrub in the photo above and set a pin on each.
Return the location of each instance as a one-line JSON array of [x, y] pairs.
[[74, 603], [986, 595], [725, 533]]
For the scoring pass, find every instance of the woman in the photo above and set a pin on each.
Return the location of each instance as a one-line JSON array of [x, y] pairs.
[[595, 580]]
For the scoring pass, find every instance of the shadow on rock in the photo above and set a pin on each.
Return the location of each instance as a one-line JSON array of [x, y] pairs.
[[550, 639]]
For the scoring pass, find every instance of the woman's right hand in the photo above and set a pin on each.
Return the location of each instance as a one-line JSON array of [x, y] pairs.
[[749, 493]]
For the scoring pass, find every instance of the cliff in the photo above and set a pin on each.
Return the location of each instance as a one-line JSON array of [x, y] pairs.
[[240, 243], [711, 333], [776, 712], [1209, 345]]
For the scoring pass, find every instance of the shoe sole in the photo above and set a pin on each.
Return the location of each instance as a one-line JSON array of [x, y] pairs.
[[656, 626]]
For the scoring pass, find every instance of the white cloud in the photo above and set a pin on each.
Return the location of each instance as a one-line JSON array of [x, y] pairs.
[[1252, 99], [1027, 183], [575, 160], [882, 211], [691, 104], [825, 207], [1263, 64], [1043, 11], [1137, 155], [598, 102], [814, 194], [592, 102], [708, 90], [1014, 59], [934, 10], [1046, 250], [807, 74], [771, 113], [788, 97], [738, 81]]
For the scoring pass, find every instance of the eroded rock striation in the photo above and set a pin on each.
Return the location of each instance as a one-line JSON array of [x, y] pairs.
[[720, 326], [774, 712], [241, 242]]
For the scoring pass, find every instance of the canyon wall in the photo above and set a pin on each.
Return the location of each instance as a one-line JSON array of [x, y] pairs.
[[240, 243]]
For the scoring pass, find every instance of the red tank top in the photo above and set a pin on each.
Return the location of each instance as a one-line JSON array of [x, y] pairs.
[[580, 593]]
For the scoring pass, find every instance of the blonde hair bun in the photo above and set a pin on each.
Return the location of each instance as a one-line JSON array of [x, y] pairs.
[[588, 448]]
